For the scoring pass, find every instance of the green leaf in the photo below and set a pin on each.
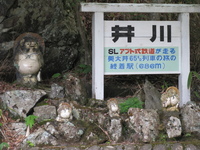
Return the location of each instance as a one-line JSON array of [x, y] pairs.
[[189, 79], [4, 145], [196, 94], [30, 143], [1, 124], [1, 113], [30, 120], [133, 102], [196, 74], [56, 75]]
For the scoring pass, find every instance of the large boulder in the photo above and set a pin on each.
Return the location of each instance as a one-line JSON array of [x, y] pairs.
[[39, 137], [21, 102], [152, 97], [45, 112], [145, 123], [191, 118]]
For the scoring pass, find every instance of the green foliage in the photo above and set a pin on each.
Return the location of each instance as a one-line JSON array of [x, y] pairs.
[[30, 120], [190, 77], [82, 68], [1, 124], [4, 145], [188, 135], [165, 85], [162, 137], [191, 74], [1, 113], [56, 75], [133, 102], [30, 143]]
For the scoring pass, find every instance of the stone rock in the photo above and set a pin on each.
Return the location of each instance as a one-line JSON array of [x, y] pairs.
[[173, 127], [177, 146], [71, 148], [108, 148], [65, 131], [191, 147], [115, 129], [152, 97], [40, 137], [45, 112], [119, 147], [89, 114], [19, 127], [20, 102], [57, 91], [94, 135], [70, 132], [191, 118], [145, 123], [130, 147], [146, 147], [159, 147], [95, 147]]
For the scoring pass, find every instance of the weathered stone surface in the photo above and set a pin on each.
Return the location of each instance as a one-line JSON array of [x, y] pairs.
[[70, 132], [72, 148], [173, 127], [45, 112], [130, 147], [108, 148], [160, 147], [115, 129], [40, 137], [144, 122], [57, 91], [95, 147], [191, 118], [119, 147], [66, 131], [191, 147], [19, 128], [177, 146], [20, 102], [146, 147], [152, 97], [94, 135]]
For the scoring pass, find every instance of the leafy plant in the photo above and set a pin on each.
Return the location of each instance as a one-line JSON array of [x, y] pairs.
[[165, 85], [30, 120], [188, 135], [133, 102], [56, 75], [4, 145], [30, 143], [162, 137], [82, 68], [191, 75]]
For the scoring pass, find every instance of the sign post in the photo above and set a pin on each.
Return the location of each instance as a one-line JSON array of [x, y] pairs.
[[140, 47]]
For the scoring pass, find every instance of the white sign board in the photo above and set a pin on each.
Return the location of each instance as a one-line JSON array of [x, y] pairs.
[[142, 47], [144, 36]]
